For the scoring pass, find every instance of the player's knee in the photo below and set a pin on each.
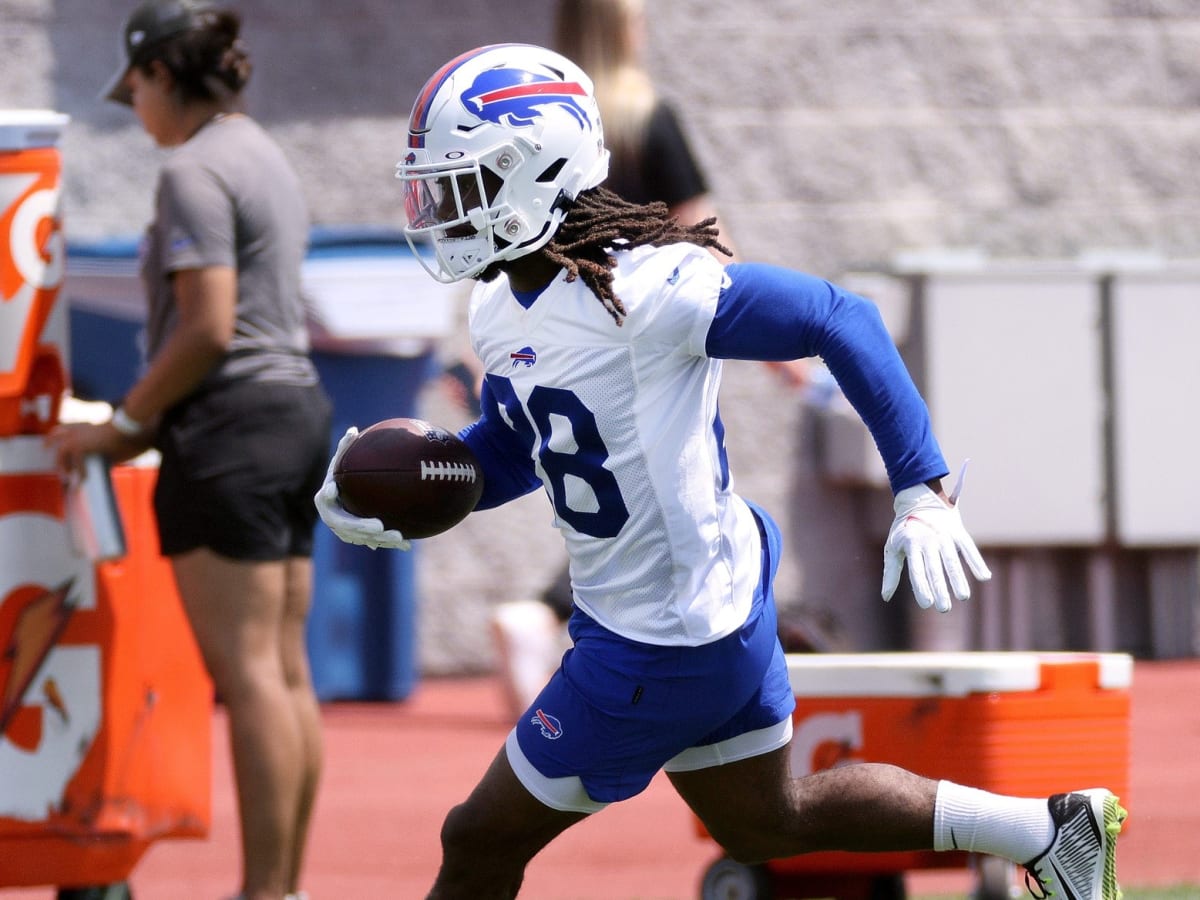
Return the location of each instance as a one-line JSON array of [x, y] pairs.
[[741, 844], [459, 832], [755, 840], [466, 837], [473, 865], [744, 852]]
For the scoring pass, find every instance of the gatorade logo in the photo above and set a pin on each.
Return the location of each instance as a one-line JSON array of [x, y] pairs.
[[826, 740], [50, 676], [32, 263], [30, 223]]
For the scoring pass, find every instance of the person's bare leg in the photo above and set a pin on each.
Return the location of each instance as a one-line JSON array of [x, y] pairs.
[[304, 704], [488, 840], [236, 612], [756, 811]]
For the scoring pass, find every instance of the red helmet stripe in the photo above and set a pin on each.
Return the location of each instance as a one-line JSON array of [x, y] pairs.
[[534, 89]]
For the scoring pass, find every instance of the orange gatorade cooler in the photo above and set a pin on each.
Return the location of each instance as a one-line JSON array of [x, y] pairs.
[[1021, 723], [105, 707], [32, 263]]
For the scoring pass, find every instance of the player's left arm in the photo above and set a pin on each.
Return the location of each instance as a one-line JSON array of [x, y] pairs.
[[508, 471], [770, 313]]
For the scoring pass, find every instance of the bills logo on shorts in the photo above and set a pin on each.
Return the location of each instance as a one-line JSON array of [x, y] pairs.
[[524, 357], [514, 97], [551, 728]]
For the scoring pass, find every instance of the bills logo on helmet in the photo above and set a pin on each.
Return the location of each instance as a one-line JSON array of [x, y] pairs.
[[524, 357], [514, 97], [551, 728]]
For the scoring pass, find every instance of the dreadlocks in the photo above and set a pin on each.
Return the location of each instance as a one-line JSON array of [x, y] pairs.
[[598, 219]]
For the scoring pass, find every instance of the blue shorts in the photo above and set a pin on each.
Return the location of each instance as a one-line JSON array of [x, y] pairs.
[[617, 711]]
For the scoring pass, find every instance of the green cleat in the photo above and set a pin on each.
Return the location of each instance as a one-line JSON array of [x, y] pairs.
[[1081, 861]]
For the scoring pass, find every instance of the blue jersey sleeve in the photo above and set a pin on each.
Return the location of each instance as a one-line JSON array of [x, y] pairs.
[[508, 471], [772, 313]]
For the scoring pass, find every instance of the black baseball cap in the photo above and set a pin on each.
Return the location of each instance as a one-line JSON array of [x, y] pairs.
[[151, 22]]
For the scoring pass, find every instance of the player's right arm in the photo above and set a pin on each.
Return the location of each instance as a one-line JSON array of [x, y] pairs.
[[348, 527], [508, 471]]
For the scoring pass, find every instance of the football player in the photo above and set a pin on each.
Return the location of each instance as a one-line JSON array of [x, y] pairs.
[[601, 326]]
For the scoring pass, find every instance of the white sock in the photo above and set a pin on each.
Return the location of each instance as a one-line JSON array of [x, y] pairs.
[[966, 818]]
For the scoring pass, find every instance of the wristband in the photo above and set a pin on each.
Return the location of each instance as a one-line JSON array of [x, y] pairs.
[[126, 424]]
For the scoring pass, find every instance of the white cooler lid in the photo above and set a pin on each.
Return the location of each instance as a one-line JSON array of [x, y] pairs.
[[954, 674], [24, 129]]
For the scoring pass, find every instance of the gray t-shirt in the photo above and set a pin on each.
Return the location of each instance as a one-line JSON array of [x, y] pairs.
[[229, 197]]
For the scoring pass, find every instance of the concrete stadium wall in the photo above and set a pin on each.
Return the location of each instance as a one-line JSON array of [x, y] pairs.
[[835, 137], [835, 134]]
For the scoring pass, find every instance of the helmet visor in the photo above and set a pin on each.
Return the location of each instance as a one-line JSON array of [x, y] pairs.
[[437, 198]]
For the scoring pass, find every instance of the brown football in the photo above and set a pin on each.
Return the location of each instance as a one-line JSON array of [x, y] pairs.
[[415, 477]]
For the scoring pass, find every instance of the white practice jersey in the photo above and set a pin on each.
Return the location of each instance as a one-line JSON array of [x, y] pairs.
[[622, 428]]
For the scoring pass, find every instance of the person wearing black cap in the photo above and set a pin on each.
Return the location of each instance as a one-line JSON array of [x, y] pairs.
[[231, 399]]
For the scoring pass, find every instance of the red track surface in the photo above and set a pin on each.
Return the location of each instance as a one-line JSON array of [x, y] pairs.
[[392, 771]]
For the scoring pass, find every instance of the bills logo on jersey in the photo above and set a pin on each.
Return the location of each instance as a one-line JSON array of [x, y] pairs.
[[523, 357], [514, 98], [550, 727]]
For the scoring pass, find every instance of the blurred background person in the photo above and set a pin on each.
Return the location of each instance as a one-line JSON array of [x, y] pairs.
[[231, 399], [652, 160]]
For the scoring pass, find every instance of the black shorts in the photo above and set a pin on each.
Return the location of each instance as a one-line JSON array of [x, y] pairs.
[[240, 465]]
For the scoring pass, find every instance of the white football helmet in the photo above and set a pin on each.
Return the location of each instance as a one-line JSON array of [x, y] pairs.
[[500, 140]]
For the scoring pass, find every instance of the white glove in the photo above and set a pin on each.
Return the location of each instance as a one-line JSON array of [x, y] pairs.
[[351, 528], [930, 535]]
